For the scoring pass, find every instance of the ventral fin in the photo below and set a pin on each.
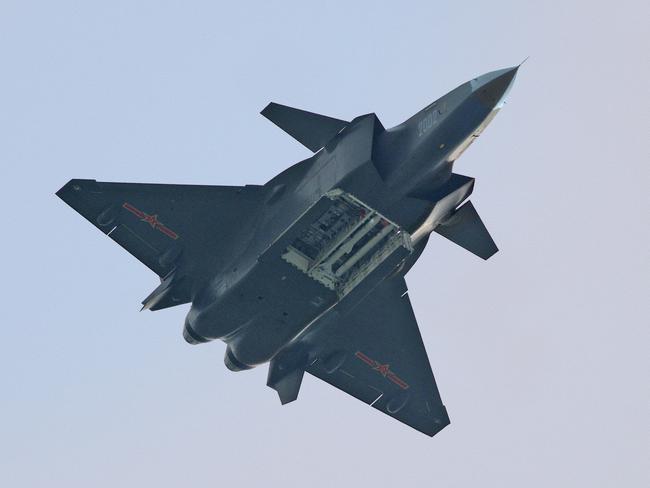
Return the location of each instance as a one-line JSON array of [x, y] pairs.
[[173, 290], [285, 375]]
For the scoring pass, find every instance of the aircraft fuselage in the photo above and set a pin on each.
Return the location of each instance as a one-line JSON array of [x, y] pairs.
[[337, 224]]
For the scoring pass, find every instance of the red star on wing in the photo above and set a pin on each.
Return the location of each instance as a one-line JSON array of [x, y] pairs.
[[384, 369], [152, 220]]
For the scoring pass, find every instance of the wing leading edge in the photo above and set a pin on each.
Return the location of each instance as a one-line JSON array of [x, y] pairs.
[[175, 230], [376, 354], [311, 130]]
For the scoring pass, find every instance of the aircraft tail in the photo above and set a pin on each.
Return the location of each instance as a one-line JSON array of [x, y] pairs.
[[311, 130]]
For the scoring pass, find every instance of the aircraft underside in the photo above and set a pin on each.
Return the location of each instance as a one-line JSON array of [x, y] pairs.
[[307, 271]]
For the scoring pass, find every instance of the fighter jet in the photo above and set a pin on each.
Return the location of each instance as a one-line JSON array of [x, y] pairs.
[[307, 271]]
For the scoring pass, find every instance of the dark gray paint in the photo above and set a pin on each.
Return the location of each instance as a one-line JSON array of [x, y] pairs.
[[225, 248]]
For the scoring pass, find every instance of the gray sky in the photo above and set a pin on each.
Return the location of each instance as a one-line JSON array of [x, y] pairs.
[[541, 354]]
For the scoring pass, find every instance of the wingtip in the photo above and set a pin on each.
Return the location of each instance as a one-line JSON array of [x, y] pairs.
[[75, 185], [490, 252], [61, 191], [265, 111]]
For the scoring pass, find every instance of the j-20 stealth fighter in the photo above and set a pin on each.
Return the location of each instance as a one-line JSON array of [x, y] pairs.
[[307, 271]]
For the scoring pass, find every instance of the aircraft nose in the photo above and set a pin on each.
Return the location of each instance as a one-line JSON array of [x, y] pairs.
[[491, 88]]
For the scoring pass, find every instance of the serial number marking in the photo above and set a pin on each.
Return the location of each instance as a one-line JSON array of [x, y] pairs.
[[428, 121]]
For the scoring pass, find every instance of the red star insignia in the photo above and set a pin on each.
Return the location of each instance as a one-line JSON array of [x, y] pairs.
[[152, 220], [382, 368]]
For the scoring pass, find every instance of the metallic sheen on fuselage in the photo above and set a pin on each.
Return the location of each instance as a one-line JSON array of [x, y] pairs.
[[257, 304], [307, 271]]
